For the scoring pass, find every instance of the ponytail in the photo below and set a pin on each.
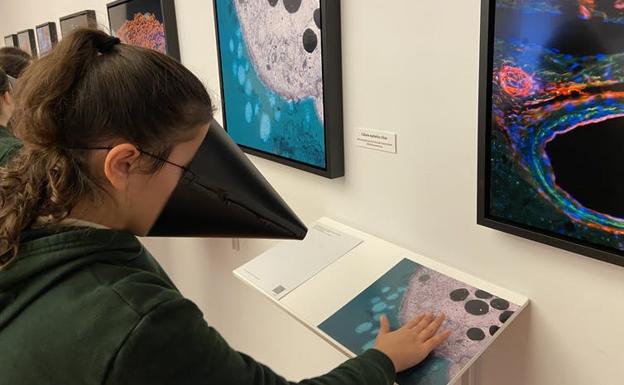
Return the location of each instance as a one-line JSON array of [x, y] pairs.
[[36, 183]]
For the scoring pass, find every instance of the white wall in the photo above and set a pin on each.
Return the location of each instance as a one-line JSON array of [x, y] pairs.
[[410, 67]]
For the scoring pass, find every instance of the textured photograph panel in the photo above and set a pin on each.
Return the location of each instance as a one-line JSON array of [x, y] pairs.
[[272, 77], [139, 23], [558, 119], [474, 316]]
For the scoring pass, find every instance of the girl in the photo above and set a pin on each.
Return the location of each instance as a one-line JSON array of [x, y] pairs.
[[107, 130]]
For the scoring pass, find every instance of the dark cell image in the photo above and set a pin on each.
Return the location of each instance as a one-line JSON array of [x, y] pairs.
[[139, 23], [459, 294], [586, 171], [292, 6], [477, 307], [273, 3], [483, 294], [557, 112], [310, 40], [499, 304], [505, 316], [317, 18], [475, 334], [405, 291]]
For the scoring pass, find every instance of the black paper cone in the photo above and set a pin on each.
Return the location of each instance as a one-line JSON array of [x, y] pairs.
[[224, 195]]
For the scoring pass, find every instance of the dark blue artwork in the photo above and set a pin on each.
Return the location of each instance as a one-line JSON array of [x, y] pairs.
[[554, 134]]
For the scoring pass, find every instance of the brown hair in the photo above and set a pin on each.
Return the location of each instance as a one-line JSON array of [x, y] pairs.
[[78, 97], [14, 65], [5, 86], [15, 51]]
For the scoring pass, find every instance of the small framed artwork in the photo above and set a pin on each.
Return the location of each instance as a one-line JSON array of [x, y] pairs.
[[46, 37], [10, 40], [281, 80], [26, 42], [80, 19], [145, 23]]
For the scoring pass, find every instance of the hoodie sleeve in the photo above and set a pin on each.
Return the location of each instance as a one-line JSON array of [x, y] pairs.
[[174, 345]]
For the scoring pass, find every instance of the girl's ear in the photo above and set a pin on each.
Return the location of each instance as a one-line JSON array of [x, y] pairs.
[[119, 163], [9, 99]]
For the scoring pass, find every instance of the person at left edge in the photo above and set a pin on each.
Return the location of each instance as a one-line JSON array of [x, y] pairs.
[[7, 105]]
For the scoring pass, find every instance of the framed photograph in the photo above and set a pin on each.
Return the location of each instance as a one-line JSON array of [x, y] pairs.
[[46, 37], [551, 112], [10, 40], [281, 80], [26, 42], [146, 23], [84, 19]]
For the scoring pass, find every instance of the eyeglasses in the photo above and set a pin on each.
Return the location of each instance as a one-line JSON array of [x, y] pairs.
[[188, 175]]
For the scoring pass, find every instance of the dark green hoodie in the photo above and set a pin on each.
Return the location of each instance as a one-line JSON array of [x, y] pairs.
[[92, 307]]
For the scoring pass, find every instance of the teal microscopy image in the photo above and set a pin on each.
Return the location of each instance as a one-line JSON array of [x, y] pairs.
[[287, 122]]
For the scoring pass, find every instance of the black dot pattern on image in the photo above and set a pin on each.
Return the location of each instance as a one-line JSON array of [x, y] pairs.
[[272, 3], [292, 6], [505, 316], [475, 334], [477, 307], [459, 295], [483, 294], [499, 304], [317, 18], [310, 41], [493, 329], [424, 278]]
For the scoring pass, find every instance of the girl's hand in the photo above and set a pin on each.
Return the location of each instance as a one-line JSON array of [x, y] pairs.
[[413, 342]]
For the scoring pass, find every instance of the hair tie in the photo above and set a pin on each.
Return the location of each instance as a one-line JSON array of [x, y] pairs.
[[108, 44]]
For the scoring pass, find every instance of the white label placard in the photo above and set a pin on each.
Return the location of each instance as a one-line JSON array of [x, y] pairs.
[[291, 263], [376, 140]]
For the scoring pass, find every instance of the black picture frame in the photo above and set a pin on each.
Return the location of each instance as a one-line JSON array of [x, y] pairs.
[[486, 64], [84, 18], [167, 8], [28, 35], [332, 95], [53, 37], [10, 40]]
